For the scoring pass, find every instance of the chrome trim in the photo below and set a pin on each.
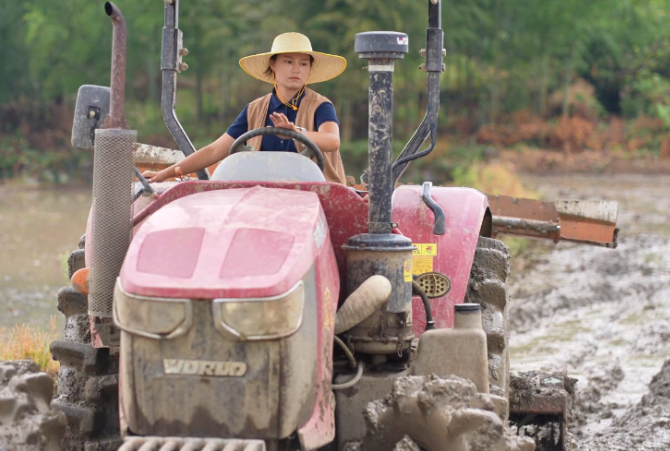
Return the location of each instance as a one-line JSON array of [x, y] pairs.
[[179, 331], [230, 332]]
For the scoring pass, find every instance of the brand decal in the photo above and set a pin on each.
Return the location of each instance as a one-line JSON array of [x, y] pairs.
[[403, 41], [204, 368]]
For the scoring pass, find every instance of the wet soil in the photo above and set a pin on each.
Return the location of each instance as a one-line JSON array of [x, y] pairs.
[[603, 315]]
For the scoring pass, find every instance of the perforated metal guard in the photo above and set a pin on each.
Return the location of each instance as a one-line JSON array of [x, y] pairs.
[[190, 444], [434, 284], [112, 214]]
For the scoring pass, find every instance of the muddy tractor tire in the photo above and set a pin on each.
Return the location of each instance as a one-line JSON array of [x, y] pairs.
[[488, 287], [27, 421], [437, 414], [88, 378]]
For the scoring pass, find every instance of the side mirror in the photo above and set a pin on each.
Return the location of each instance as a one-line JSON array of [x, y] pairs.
[[89, 114]]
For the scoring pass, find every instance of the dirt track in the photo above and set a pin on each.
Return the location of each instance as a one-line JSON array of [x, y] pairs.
[[602, 314]]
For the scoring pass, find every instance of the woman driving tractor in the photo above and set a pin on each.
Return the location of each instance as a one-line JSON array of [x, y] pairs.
[[289, 66]]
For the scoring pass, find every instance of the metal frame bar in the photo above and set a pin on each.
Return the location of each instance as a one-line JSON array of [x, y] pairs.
[[171, 53]]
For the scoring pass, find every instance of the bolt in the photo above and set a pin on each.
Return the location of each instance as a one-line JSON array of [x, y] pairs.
[[422, 67], [183, 51], [422, 52], [183, 67], [444, 52]]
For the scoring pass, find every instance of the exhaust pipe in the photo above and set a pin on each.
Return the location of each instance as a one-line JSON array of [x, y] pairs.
[[111, 227], [116, 117]]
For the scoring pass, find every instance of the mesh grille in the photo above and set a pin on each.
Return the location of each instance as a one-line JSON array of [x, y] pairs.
[[190, 444], [434, 284], [112, 214]]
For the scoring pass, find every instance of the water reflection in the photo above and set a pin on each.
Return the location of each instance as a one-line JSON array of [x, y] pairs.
[[39, 227]]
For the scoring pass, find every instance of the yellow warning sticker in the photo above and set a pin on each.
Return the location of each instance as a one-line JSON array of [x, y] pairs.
[[407, 272], [422, 257], [429, 249], [422, 264]]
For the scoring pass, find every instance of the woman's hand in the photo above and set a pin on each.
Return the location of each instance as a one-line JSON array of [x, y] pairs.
[[154, 177], [281, 121]]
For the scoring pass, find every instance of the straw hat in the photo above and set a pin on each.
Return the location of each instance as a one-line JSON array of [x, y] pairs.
[[324, 67]]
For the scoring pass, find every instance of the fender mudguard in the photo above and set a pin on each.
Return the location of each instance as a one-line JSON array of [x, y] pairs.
[[450, 254]]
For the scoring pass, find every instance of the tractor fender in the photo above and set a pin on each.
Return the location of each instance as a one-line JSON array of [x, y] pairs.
[[451, 253]]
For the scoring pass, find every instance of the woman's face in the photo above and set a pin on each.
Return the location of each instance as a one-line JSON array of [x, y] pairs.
[[291, 69]]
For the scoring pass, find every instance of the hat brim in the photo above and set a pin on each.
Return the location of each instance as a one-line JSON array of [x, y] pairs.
[[325, 67]]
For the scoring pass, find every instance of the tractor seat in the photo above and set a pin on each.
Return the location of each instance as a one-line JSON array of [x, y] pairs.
[[267, 167]]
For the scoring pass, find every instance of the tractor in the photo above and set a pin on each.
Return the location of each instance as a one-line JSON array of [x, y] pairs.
[[263, 308]]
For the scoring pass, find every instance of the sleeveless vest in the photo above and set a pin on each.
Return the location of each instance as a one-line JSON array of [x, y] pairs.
[[257, 113]]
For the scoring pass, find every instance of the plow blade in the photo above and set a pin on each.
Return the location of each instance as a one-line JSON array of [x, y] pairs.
[[581, 221], [540, 407], [190, 444]]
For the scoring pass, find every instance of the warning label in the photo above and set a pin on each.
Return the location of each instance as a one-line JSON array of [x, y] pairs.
[[422, 264], [407, 270], [422, 258], [425, 249]]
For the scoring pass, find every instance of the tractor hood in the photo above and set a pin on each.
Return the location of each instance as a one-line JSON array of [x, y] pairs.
[[235, 243]]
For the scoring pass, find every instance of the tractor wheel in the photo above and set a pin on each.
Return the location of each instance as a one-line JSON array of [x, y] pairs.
[[437, 414], [88, 378], [488, 287], [27, 422]]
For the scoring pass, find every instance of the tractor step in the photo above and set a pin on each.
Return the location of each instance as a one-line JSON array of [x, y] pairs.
[[190, 444]]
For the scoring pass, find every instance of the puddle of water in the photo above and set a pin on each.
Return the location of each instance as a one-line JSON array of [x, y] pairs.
[[39, 227]]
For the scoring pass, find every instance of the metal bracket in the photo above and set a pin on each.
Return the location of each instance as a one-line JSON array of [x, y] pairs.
[[439, 227]]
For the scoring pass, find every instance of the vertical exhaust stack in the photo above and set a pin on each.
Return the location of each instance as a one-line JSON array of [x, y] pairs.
[[386, 333], [111, 227]]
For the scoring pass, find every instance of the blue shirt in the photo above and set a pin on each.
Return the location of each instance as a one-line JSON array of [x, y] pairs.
[[325, 113]]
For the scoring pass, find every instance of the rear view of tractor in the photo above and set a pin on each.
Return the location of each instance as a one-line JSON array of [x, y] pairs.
[[267, 309]]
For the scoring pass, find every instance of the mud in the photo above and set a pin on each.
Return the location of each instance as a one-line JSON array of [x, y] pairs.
[[439, 414], [645, 426], [602, 315], [27, 421]]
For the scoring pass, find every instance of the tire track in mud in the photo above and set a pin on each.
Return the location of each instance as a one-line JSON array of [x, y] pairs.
[[603, 315]]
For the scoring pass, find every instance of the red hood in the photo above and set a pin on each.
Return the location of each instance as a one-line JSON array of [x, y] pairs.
[[238, 243]]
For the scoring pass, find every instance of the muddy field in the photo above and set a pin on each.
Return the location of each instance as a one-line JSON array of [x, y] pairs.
[[603, 315]]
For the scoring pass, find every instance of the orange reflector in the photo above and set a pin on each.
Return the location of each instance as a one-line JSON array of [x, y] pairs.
[[80, 280]]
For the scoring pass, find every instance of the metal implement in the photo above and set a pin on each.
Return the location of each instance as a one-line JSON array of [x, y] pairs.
[[582, 221], [539, 406]]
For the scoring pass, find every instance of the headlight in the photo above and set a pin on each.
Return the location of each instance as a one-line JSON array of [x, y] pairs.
[[261, 318], [151, 317]]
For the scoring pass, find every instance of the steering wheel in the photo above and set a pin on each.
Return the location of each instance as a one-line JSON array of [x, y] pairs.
[[311, 148]]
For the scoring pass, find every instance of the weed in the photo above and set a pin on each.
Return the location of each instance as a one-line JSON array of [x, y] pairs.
[[25, 342], [494, 178]]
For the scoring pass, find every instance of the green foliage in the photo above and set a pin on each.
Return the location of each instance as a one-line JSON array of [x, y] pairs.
[[502, 57]]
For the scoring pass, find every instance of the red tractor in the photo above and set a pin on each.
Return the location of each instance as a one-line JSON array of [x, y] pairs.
[[266, 308]]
